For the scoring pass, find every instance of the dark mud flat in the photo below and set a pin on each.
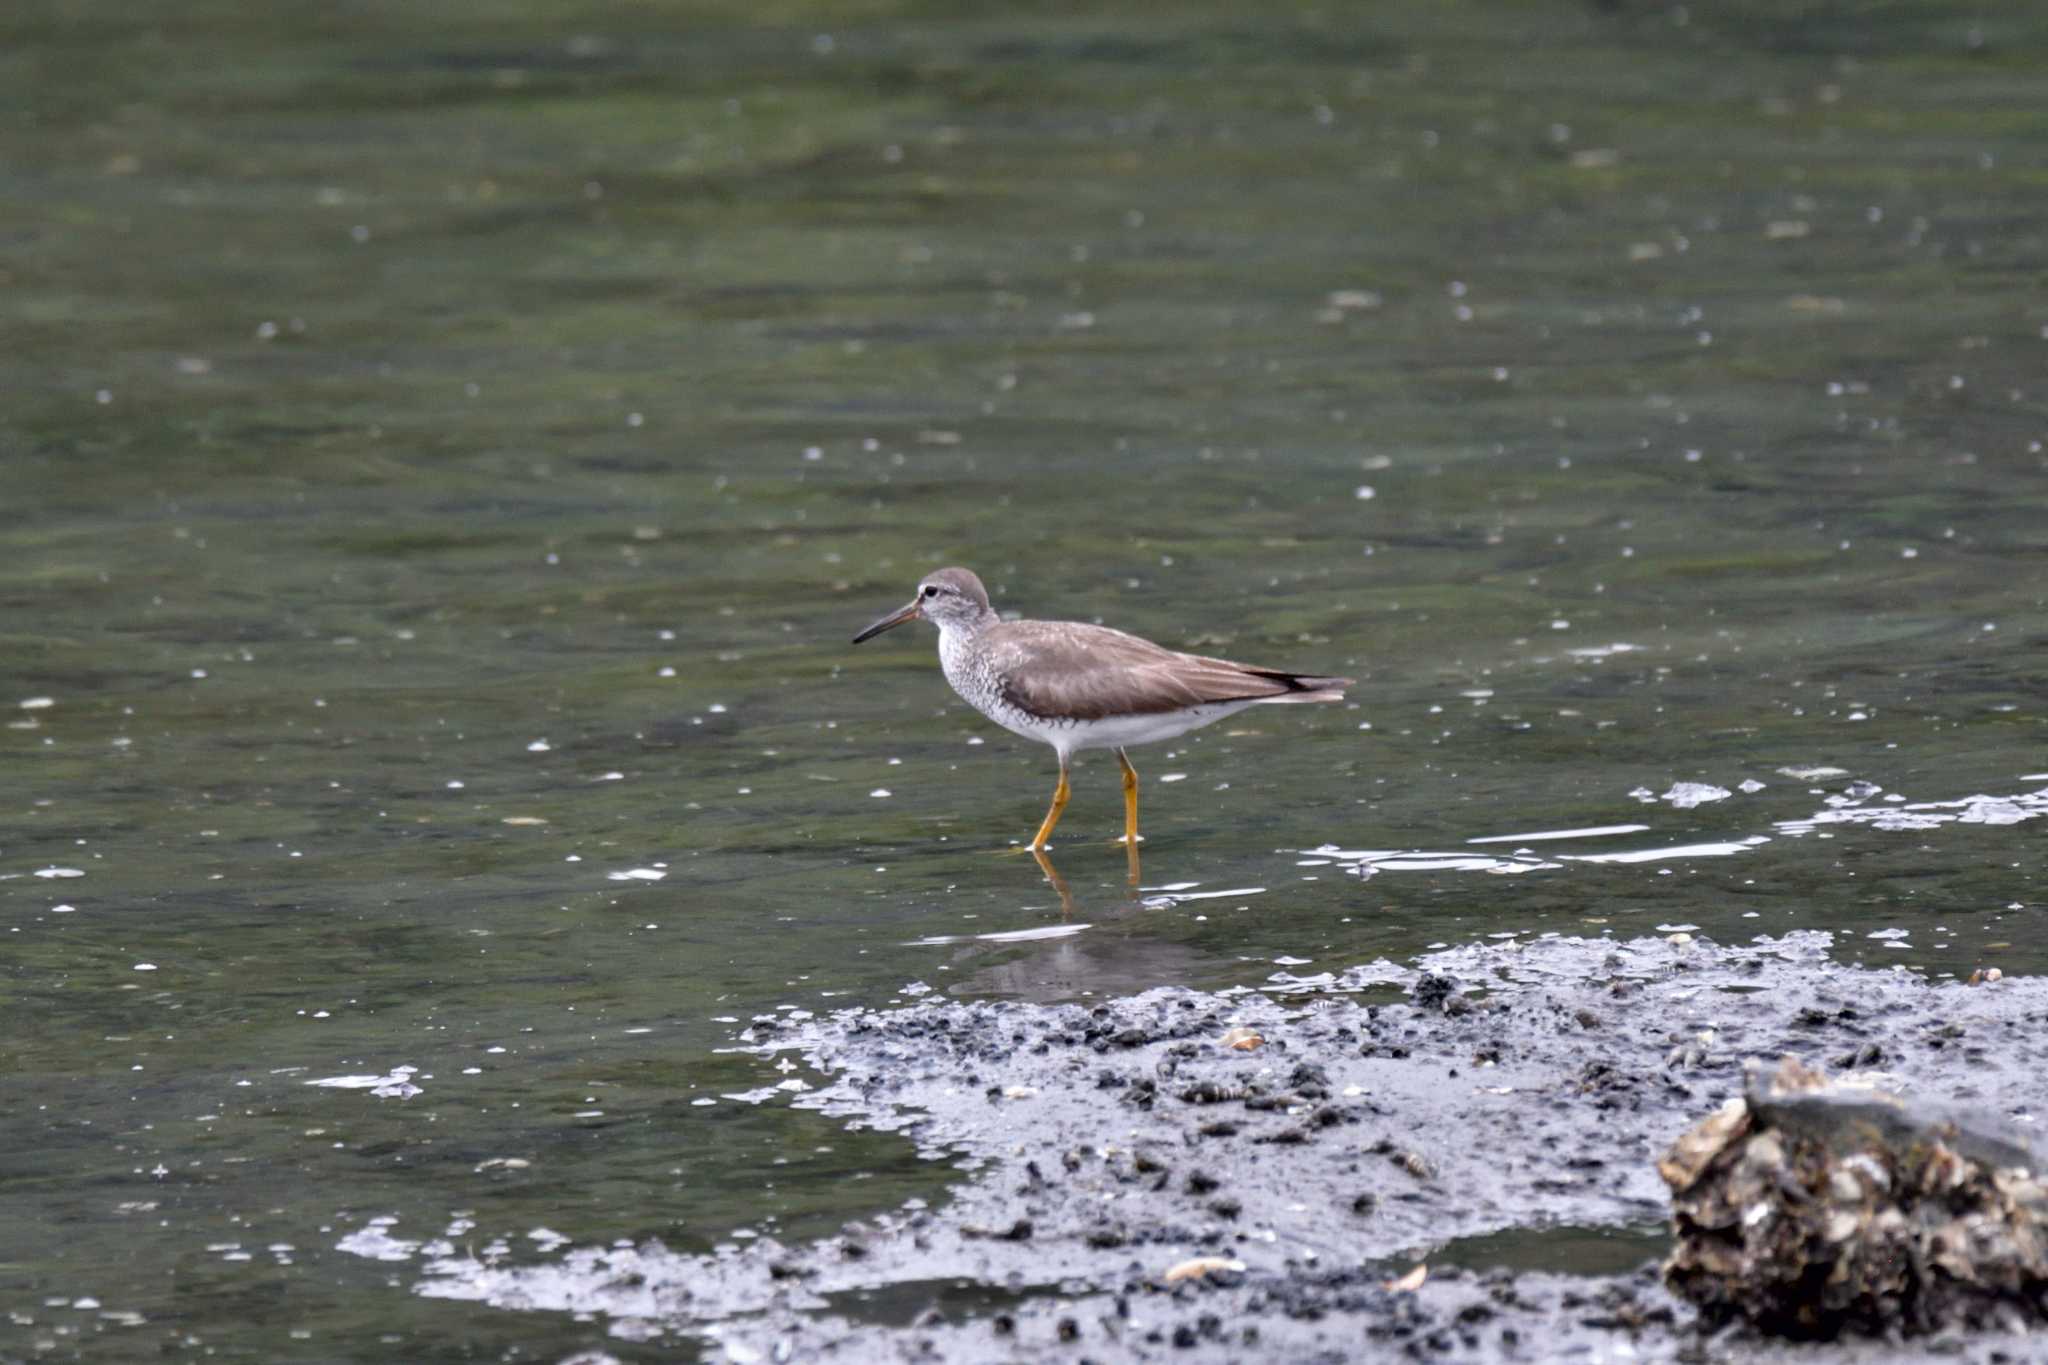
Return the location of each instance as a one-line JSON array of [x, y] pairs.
[[1491, 1116]]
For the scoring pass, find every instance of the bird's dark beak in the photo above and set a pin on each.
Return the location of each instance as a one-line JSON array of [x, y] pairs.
[[894, 618]]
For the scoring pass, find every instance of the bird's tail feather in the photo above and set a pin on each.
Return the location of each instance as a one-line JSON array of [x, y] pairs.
[[1305, 688]]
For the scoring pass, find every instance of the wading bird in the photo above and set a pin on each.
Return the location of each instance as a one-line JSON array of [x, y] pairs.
[[1076, 686]]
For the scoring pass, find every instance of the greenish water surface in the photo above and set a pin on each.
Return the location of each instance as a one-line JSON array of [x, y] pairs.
[[446, 454]]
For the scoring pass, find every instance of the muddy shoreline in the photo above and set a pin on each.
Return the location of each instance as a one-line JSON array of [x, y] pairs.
[[1490, 1112]]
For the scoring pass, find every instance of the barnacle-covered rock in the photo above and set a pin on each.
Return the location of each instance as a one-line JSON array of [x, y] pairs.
[[1811, 1207]]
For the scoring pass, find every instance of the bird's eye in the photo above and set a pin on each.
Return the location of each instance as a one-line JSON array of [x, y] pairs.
[[931, 590]]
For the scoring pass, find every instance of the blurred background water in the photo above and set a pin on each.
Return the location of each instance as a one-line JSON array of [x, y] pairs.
[[446, 453]]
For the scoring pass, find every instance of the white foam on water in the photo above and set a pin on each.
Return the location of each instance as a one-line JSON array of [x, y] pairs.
[[1371, 862], [1004, 936], [376, 1242], [1436, 862], [394, 1085], [1651, 855], [1590, 832], [1923, 815]]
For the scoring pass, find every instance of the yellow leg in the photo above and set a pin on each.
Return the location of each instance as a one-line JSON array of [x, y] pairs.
[[1130, 800], [1059, 803]]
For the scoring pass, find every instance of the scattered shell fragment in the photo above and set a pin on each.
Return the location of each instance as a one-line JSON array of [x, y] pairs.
[[1409, 1283], [1242, 1039], [1985, 975], [1199, 1267]]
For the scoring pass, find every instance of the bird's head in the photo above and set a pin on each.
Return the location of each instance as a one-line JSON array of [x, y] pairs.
[[949, 598]]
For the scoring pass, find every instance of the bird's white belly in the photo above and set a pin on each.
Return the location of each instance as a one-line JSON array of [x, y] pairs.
[[1115, 732]]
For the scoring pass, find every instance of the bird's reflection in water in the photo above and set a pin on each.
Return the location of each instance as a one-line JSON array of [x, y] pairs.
[[1066, 895], [1102, 946]]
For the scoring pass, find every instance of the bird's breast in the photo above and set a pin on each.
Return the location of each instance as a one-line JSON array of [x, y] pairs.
[[968, 672], [972, 676]]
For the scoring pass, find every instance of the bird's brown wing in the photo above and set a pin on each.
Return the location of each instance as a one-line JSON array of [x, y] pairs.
[[1068, 669]]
